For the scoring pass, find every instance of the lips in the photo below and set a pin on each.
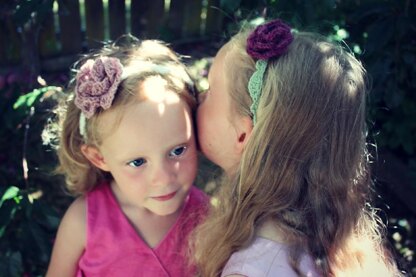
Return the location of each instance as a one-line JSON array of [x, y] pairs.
[[165, 197]]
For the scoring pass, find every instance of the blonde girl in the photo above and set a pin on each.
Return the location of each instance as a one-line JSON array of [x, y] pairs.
[[127, 148], [285, 118]]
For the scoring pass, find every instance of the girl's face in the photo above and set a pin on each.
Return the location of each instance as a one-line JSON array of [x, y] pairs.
[[152, 152], [217, 133]]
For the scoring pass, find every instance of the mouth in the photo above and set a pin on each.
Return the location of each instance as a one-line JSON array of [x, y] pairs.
[[165, 197]]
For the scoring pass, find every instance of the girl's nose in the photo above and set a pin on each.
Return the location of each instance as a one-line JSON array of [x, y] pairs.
[[163, 175]]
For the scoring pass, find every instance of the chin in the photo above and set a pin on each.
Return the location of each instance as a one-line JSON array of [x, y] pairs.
[[164, 212]]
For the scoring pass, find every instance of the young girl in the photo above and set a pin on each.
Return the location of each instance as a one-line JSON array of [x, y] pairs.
[[127, 146], [285, 118]]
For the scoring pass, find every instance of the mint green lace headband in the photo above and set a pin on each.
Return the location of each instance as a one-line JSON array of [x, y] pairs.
[[267, 41], [255, 85]]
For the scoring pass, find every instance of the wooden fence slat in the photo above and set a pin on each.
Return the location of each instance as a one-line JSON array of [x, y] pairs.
[[147, 18], [136, 11], [117, 15], [4, 36], [215, 18], [94, 13], [153, 19], [192, 18], [48, 45], [175, 19], [70, 26], [11, 42]]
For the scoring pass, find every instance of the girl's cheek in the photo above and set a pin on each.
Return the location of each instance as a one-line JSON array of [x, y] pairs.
[[192, 163], [134, 173]]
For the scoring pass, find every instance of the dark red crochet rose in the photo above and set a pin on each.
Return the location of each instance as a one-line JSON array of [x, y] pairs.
[[269, 40]]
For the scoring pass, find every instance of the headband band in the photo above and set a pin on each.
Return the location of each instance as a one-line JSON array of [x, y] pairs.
[[267, 41]]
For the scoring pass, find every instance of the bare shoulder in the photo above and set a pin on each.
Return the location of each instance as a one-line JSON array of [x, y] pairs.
[[70, 240], [74, 223], [75, 219], [77, 212]]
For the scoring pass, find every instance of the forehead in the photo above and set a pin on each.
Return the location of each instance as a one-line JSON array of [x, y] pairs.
[[155, 89], [159, 120]]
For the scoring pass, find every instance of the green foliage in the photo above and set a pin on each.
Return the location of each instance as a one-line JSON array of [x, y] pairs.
[[29, 99], [28, 220], [391, 56], [230, 6], [27, 229], [380, 32]]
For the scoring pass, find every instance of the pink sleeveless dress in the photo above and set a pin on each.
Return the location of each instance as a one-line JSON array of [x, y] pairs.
[[266, 258], [114, 248]]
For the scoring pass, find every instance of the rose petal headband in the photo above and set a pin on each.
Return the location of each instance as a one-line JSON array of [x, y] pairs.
[[97, 82], [267, 41]]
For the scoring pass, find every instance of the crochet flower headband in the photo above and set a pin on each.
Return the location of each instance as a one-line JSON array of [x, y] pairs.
[[267, 41], [97, 82]]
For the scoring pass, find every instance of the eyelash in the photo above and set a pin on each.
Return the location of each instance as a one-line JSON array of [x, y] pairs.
[[183, 148], [143, 161], [140, 162]]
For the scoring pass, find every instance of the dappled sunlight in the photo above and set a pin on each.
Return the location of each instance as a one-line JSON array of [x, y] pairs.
[[333, 68], [154, 89], [32, 197]]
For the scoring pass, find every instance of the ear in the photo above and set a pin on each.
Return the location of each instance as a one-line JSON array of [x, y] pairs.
[[244, 128], [94, 156]]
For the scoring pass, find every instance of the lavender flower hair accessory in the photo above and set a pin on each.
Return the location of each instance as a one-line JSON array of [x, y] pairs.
[[96, 84], [267, 41]]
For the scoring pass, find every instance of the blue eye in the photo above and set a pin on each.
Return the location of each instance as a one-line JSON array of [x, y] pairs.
[[137, 162], [178, 151]]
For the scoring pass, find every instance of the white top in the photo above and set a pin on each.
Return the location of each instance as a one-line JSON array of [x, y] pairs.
[[266, 258]]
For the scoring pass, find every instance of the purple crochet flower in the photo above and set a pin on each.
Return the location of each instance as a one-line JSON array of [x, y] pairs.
[[269, 40], [96, 84]]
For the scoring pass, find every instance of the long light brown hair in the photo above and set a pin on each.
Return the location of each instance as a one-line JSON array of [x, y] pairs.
[[305, 166], [81, 176]]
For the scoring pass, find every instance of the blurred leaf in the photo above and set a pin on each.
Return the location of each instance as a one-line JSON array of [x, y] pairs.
[[40, 240], [16, 265], [7, 213], [30, 98], [46, 216], [367, 10], [394, 97], [10, 193], [379, 34], [230, 6]]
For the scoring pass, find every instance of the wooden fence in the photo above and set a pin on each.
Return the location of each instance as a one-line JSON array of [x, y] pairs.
[[74, 26]]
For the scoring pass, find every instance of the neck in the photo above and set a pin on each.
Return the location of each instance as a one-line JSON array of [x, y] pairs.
[[269, 230]]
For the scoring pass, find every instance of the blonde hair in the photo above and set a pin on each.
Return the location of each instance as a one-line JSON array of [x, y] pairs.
[[142, 59], [305, 165]]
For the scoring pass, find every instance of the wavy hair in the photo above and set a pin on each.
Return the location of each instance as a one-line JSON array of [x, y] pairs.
[[81, 176], [305, 166]]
